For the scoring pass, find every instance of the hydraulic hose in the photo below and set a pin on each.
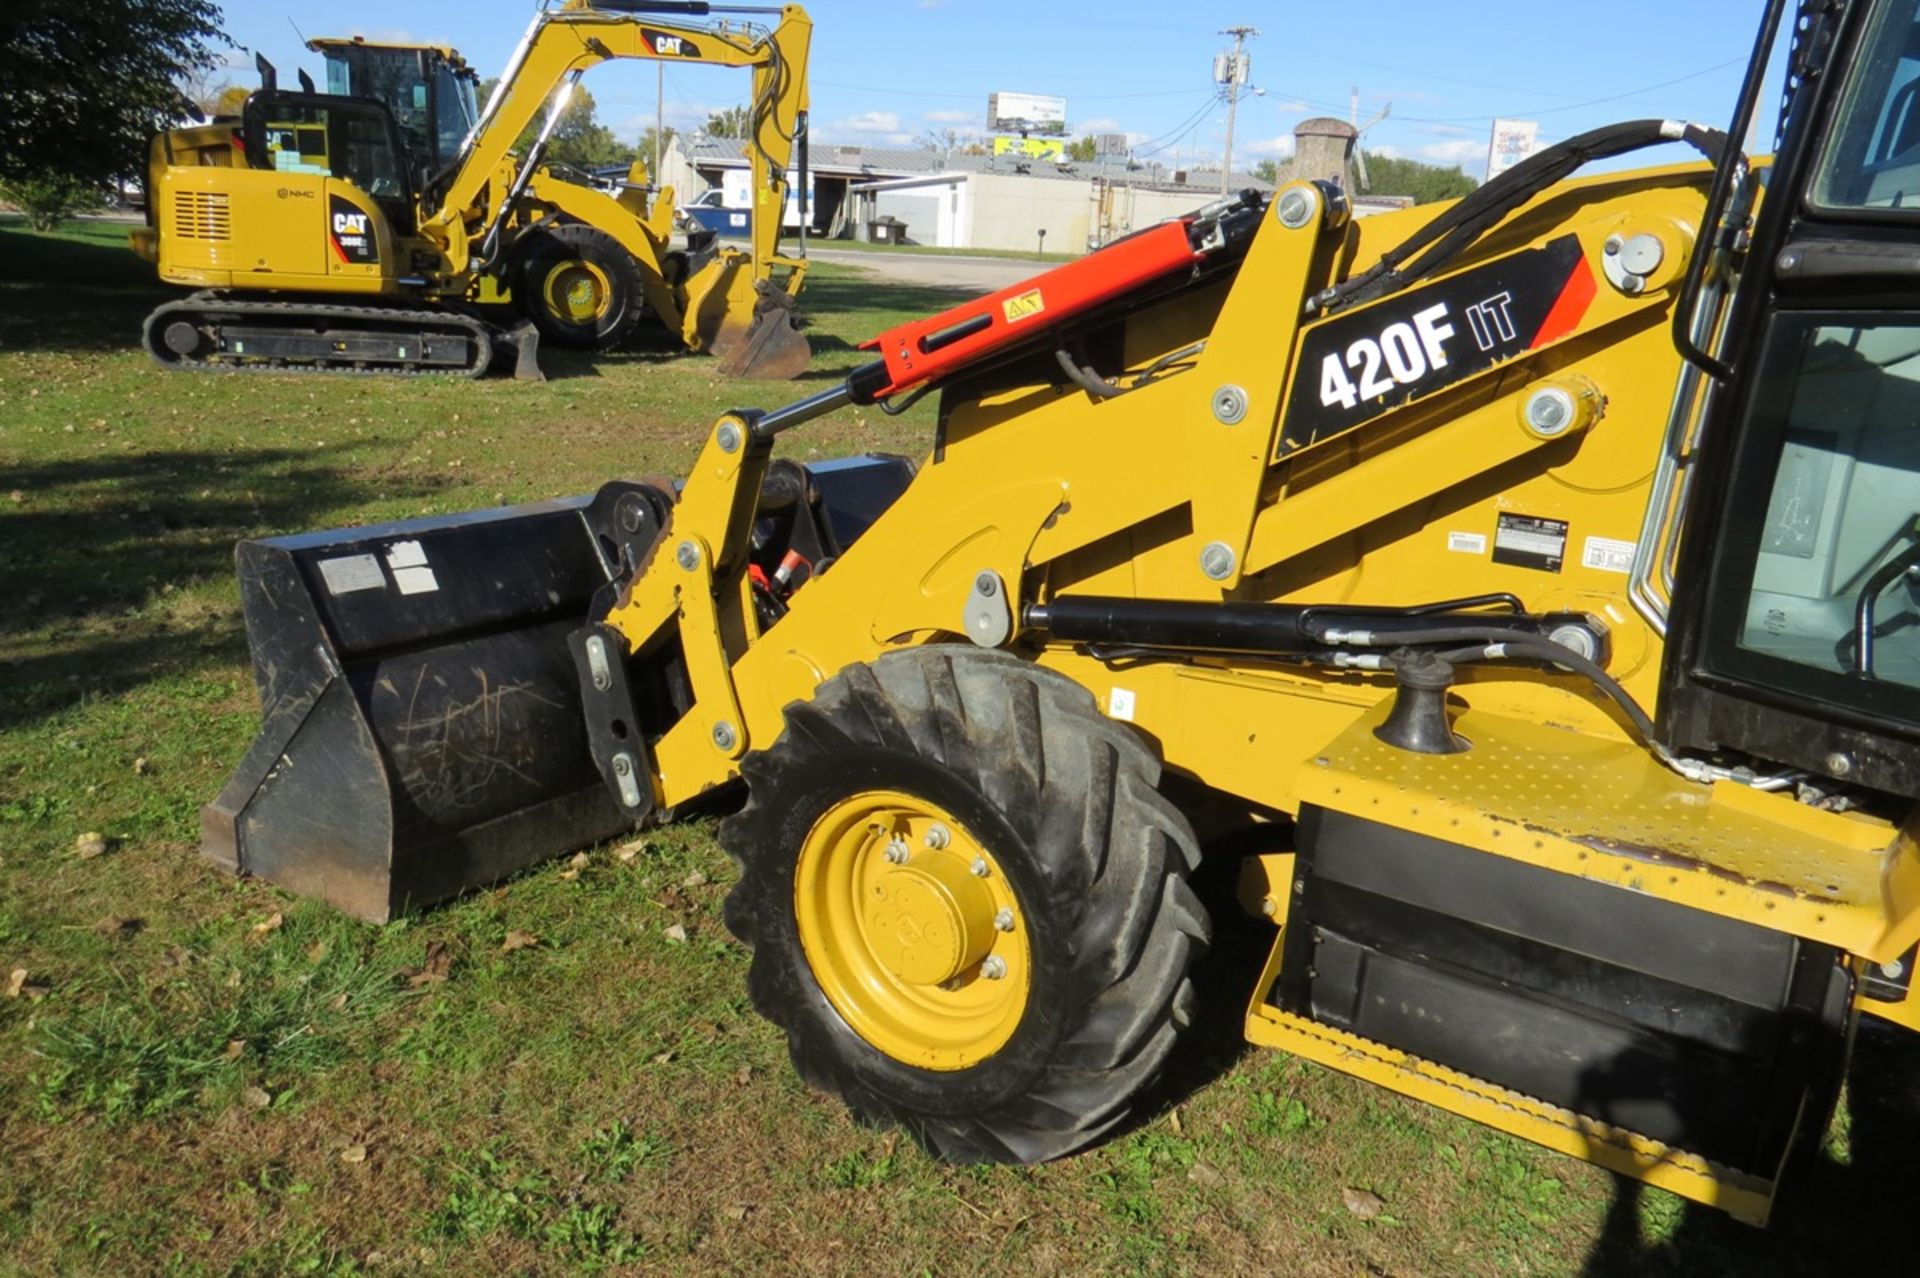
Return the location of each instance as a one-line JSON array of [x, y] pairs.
[[1451, 232]]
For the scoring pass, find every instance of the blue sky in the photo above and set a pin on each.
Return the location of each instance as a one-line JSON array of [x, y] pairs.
[[888, 71]]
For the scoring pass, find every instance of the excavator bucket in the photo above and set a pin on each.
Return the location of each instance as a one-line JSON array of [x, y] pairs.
[[771, 347], [748, 325], [421, 725]]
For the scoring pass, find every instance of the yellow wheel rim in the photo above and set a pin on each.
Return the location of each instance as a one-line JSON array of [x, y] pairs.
[[912, 930], [578, 291]]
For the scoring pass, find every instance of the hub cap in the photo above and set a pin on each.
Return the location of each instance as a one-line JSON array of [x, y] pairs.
[[578, 291], [925, 955]]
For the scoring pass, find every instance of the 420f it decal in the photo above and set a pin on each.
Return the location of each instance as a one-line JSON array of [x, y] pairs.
[[1355, 367]]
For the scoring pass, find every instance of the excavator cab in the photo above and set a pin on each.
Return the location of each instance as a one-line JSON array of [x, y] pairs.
[[430, 91]]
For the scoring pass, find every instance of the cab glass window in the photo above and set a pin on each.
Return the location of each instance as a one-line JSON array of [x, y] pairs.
[[1872, 156], [1820, 588], [343, 139], [454, 113]]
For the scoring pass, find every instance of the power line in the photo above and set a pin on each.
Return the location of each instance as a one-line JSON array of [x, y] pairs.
[[1574, 106]]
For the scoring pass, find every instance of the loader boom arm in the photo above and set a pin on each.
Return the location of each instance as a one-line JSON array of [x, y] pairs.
[[563, 43]]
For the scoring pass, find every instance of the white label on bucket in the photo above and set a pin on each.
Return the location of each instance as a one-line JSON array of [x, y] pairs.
[[1120, 705], [352, 572], [1467, 543], [415, 581], [406, 554]]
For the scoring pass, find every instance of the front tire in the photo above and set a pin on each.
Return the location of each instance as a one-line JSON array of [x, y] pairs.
[[967, 903]]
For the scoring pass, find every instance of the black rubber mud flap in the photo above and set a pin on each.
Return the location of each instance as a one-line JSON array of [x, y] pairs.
[[421, 724]]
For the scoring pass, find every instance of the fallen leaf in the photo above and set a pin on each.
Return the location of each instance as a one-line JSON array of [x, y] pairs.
[[1173, 1119], [89, 845], [676, 933], [354, 1154], [271, 923], [738, 1211], [743, 1075], [177, 956], [115, 928], [316, 951], [694, 879], [629, 850], [1204, 1174], [662, 1058], [337, 1003], [568, 876], [519, 941], [235, 1046], [233, 979], [1363, 1203], [140, 766], [438, 966], [257, 1097], [16, 982], [580, 861]]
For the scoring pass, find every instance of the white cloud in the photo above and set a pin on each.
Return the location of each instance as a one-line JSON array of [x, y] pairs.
[[1469, 155], [1449, 131], [953, 117], [1385, 152], [1279, 148], [1292, 106], [868, 122], [1099, 124], [927, 5]]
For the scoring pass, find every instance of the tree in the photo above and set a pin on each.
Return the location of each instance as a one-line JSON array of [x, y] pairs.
[[1268, 171], [734, 122], [653, 147], [89, 85], [1391, 175], [1082, 149]]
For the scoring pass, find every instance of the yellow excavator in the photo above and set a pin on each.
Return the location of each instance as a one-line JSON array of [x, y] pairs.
[[362, 229], [1520, 595]]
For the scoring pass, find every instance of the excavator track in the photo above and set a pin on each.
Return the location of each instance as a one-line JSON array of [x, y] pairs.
[[214, 332]]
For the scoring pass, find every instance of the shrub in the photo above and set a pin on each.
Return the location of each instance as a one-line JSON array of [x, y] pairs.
[[50, 199]]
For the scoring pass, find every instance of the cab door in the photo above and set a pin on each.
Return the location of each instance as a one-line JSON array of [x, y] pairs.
[[1803, 646]]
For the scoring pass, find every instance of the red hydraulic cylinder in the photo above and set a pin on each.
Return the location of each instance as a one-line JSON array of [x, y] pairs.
[[926, 349]]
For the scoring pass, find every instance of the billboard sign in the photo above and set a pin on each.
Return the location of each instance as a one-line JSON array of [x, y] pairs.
[[1053, 149], [1512, 142], [1026, 113]]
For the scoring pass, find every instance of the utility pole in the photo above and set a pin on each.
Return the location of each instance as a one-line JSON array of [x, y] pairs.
[[1230, 69], [659, 118]]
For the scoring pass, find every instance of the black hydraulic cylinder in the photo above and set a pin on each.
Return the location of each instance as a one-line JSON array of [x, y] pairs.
[[1274, 628]]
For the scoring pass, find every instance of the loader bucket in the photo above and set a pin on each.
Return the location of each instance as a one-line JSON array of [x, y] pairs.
[[421, 727]]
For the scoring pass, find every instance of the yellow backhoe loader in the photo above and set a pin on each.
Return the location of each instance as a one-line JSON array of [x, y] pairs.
[[357, 230], [1533, 579]]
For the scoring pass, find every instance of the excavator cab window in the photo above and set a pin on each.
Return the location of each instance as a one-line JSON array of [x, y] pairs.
[[312, 133], [432, 100]]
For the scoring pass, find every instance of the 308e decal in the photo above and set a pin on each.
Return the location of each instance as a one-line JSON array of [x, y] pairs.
[[1357, 366]]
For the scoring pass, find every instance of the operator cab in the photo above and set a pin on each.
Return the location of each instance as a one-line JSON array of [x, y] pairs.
[[1804, 648], [429, 90]]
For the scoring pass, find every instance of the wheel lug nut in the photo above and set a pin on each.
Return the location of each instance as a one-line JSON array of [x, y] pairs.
[[1004, 920], [937, 837], [979, 867], [994, 968], [897, 852]]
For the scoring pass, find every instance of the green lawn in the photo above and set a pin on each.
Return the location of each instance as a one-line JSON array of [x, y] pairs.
[[204, 1076]]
